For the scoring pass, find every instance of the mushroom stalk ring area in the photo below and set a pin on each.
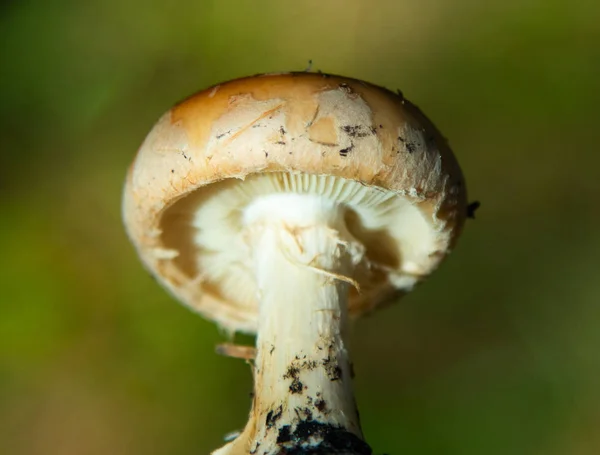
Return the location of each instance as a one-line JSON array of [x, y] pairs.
[[303, 259]]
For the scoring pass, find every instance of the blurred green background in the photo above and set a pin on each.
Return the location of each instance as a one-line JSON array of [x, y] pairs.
[[498, 353]]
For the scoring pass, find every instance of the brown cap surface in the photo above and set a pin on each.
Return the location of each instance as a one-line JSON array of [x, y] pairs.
[[289, 124]]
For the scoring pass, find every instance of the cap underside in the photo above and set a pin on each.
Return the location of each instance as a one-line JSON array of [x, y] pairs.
[[205, 231]]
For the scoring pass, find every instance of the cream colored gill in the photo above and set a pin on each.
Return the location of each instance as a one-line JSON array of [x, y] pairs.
[[207, 229]]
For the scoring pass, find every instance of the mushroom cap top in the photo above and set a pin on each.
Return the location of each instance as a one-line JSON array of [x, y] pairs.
[[293, 124]]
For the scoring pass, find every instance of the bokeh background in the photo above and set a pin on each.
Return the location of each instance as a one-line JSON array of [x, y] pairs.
[[498, 353]]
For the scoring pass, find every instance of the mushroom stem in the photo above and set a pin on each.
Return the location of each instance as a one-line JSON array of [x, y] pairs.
[[303, 258]]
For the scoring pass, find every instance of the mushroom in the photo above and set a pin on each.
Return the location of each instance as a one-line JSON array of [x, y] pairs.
[[282, 205]]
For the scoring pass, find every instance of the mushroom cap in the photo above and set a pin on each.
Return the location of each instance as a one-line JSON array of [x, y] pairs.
[[290, 125]]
